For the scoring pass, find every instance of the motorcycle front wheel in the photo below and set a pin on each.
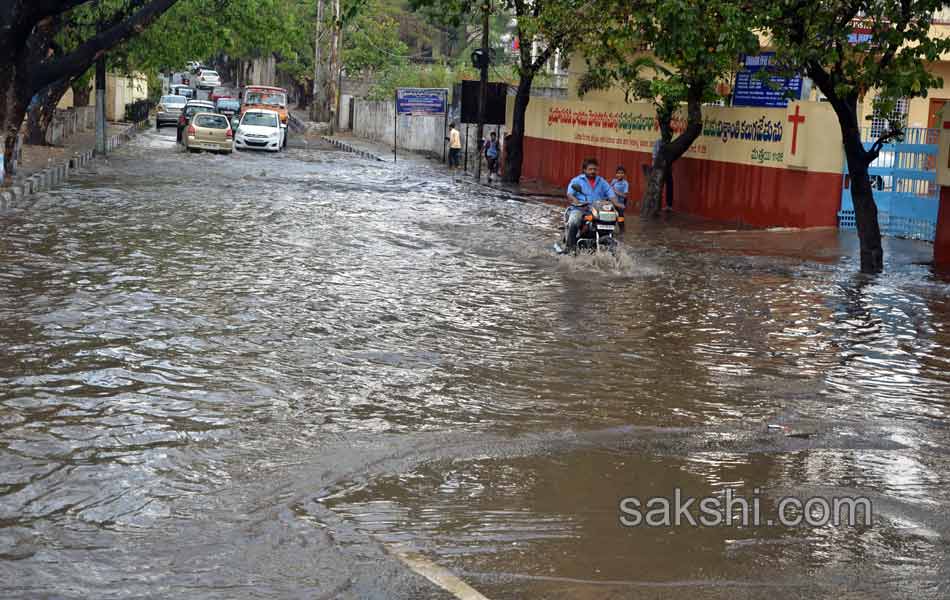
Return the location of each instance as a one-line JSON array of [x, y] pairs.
[[570, 236]]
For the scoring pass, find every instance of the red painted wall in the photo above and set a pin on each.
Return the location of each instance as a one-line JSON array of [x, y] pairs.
[[942, 241], [754, 195]]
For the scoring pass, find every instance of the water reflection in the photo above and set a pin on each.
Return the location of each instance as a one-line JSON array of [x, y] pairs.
[[180, 333]]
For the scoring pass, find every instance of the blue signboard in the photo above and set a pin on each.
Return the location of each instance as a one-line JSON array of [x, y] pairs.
[[750, 90], [421, 101]]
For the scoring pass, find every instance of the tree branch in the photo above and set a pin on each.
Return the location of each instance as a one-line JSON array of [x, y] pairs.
[[875, 150], [47, 8], [80, 59], [902, 23]]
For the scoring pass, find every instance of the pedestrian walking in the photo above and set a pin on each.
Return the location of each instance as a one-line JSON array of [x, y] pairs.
[[455, 147], [491, 155]]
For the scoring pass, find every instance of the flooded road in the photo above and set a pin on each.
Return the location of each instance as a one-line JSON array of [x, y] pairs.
[[266, 376]]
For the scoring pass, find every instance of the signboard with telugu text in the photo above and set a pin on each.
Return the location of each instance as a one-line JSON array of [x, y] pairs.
[[421, 102], [751, 90]]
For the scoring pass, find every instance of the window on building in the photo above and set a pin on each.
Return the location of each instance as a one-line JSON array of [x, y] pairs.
[[882, 123]]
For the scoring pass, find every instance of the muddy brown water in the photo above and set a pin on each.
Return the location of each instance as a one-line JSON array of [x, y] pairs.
[[249, 376]]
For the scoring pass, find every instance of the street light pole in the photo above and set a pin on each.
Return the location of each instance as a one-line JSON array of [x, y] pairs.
[[101, 106], [317, 101], [482, 88]]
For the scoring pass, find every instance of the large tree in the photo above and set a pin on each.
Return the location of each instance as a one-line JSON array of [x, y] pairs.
[[851, 48], [543, 28], [672, 54], [27, 67]]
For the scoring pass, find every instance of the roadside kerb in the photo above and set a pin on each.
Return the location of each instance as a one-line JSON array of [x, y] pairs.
[[348, 148], [13, 196]]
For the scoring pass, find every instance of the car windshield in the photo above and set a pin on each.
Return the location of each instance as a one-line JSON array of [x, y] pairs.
[[267, 98], [211, 121], [197, 108], [261, 119], [173, 100]]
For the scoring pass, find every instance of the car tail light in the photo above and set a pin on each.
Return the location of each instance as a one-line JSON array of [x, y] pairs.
[[229, 134], [192, 130]]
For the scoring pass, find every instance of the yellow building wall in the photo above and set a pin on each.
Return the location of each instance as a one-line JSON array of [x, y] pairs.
[[120, 90], [750, 136]]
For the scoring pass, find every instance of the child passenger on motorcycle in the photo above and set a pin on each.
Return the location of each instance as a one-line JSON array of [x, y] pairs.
[[621, 187], [592, 188]]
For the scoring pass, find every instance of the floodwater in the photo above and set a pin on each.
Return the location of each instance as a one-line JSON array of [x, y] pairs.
[[256, 376]]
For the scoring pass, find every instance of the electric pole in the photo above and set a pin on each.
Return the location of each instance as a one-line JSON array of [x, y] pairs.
[[335, 59], [482, 88], [316, 106], [101, 105]]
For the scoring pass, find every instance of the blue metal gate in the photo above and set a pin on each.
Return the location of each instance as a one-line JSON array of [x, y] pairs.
[[904, 178]]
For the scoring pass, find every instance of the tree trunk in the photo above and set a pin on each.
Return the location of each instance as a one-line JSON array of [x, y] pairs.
[[42, 112], [862, 195], [671, 149], [82, 91], [8, 112], [514, 144], [654, 191], [304, 94]]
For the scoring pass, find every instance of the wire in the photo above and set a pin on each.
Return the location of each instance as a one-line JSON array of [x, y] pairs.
[[393, 54]]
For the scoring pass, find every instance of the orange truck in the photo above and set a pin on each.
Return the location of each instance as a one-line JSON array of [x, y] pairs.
[[268, 98]]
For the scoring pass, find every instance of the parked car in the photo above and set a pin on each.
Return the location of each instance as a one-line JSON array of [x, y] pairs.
[[259, 130], [211, 132], [182, 89], [207, 80], [228, 107], [260, 97], [220, 92], [169, 109], [192, 108]]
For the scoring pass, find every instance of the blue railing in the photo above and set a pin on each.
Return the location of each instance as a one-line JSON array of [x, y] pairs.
[[904, 179]]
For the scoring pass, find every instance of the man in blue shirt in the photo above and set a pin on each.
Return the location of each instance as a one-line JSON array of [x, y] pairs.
[[592, 188]]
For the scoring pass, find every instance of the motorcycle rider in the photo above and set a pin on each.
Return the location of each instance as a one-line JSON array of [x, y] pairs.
[[592, 189]]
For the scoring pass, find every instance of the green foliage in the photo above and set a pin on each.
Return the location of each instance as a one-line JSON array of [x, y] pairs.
[[663, 50], [372, 42], [812, 37], [407, 75]]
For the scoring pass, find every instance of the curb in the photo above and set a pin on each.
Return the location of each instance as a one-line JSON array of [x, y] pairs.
[[348, 148], [14, 195]]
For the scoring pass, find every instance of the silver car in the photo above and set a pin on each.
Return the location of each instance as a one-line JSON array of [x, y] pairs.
[[169, 109]]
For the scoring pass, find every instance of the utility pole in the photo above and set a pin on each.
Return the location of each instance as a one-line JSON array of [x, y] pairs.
[[101, 105], [335, 52], [482, 88], [316, 107]]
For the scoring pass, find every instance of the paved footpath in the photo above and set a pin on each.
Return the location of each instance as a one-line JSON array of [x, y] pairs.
[[36, 158], [43, 167], [532, 189]]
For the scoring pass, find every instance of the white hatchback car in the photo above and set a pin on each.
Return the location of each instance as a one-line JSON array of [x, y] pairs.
[[259, 129], [208, 79]]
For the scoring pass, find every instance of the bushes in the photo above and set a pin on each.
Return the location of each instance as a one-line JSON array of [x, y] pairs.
[[413, 75]]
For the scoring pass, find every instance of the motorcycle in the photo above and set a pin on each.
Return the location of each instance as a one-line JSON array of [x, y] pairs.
[[597, 229]]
